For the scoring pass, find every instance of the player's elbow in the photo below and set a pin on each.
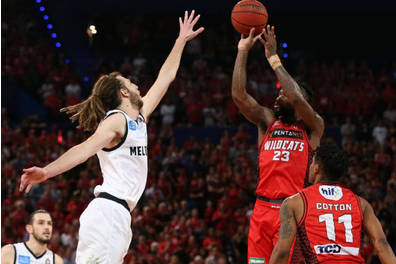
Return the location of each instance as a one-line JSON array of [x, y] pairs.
[[380, 244], [238, 96], [279, 256], [319, 127]]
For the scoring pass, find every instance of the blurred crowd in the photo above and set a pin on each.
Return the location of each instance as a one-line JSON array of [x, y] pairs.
[[200, 193]]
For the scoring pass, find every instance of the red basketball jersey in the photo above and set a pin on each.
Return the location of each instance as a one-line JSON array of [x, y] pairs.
[[331, 228], [284, 159]]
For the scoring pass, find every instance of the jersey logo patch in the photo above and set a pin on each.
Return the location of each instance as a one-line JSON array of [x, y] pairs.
[[335, 249], [333, 193], [256, 261], [93, 260], [23, 259], [280, 132], [132, 125]]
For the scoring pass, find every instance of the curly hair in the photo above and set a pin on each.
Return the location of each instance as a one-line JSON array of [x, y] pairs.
[[105, 96], [332, 161]]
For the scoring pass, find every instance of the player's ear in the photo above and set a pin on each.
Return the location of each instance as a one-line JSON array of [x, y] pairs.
[[29, 228], [316, 173], [124, 92]]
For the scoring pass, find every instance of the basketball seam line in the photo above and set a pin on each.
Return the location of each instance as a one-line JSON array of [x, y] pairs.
[[252, 12], [247, 24]]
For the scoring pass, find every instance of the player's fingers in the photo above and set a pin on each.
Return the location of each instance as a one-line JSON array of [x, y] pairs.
[[180, 21], [22, 185], [29, 169], [268, 31], [257, 37], [251, 33], [197, 32], [191, 16], [185, 16], [28, 188], [195, 20], [265, 33]]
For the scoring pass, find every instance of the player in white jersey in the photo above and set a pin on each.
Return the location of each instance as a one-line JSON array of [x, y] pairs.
[[118, 115], [34, 250]]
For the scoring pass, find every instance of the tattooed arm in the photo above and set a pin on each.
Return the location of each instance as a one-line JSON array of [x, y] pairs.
[[289, 213], [291, 89], [247, 105]]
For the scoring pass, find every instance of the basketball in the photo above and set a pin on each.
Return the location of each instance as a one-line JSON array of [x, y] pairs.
[[247, 14]]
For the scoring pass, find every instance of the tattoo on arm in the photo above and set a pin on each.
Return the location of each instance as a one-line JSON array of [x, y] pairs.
[[286, 81], [286, 222], [383, 242]]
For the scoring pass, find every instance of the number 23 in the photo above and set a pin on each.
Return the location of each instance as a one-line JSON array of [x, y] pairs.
[[281, 155]]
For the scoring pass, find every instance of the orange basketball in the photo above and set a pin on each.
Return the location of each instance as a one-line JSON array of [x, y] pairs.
[[247, 14]]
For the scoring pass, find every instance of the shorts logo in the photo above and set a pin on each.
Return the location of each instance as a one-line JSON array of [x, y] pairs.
[[331, 192], [256, 261], [132, 125], [23, 259], [93, 260]]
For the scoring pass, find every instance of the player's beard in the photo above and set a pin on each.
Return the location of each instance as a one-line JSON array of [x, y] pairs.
[[136, 100], [41, 239], [285, 113]]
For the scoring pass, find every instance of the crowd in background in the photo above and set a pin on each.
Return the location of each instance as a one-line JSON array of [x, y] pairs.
[[200, 193]]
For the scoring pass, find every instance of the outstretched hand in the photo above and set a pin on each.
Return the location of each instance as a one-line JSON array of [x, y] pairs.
[[269, 40], [186, 26], [246, 43], [31, 177]]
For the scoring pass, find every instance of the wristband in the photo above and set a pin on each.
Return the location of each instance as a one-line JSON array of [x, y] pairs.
[[274, 61]]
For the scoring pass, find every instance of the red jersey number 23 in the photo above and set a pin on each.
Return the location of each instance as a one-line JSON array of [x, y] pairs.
[[281, 155]]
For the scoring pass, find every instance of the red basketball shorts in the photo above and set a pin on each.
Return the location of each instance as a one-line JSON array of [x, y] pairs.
[[264, 232]]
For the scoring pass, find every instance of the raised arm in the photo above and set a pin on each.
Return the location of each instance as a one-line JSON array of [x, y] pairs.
[[287, 231], [248, 106], [291, 89], [111, 128], [373, 228], [169, 69]]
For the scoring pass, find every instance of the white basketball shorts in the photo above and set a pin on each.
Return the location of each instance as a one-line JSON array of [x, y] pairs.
[[105, 233]]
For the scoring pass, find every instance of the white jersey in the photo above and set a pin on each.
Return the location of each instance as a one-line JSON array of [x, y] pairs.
[[124, 167], [23, 255]]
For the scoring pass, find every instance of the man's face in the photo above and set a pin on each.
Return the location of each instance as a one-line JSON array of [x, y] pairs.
[[41, 228], [283, 109], [134, 93]]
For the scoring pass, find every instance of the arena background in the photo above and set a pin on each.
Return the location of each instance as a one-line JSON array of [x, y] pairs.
[[202, 168]]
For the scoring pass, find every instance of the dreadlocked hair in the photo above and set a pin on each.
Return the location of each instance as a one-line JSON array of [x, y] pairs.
[[105, 96]]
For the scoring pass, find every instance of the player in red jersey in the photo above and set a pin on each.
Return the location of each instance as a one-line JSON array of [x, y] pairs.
[[287, 137], [329, 218]]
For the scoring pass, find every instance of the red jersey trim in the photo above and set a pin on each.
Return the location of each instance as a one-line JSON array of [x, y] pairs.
[[360, 207], [302, 220], [306, 135], [266, 133]]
